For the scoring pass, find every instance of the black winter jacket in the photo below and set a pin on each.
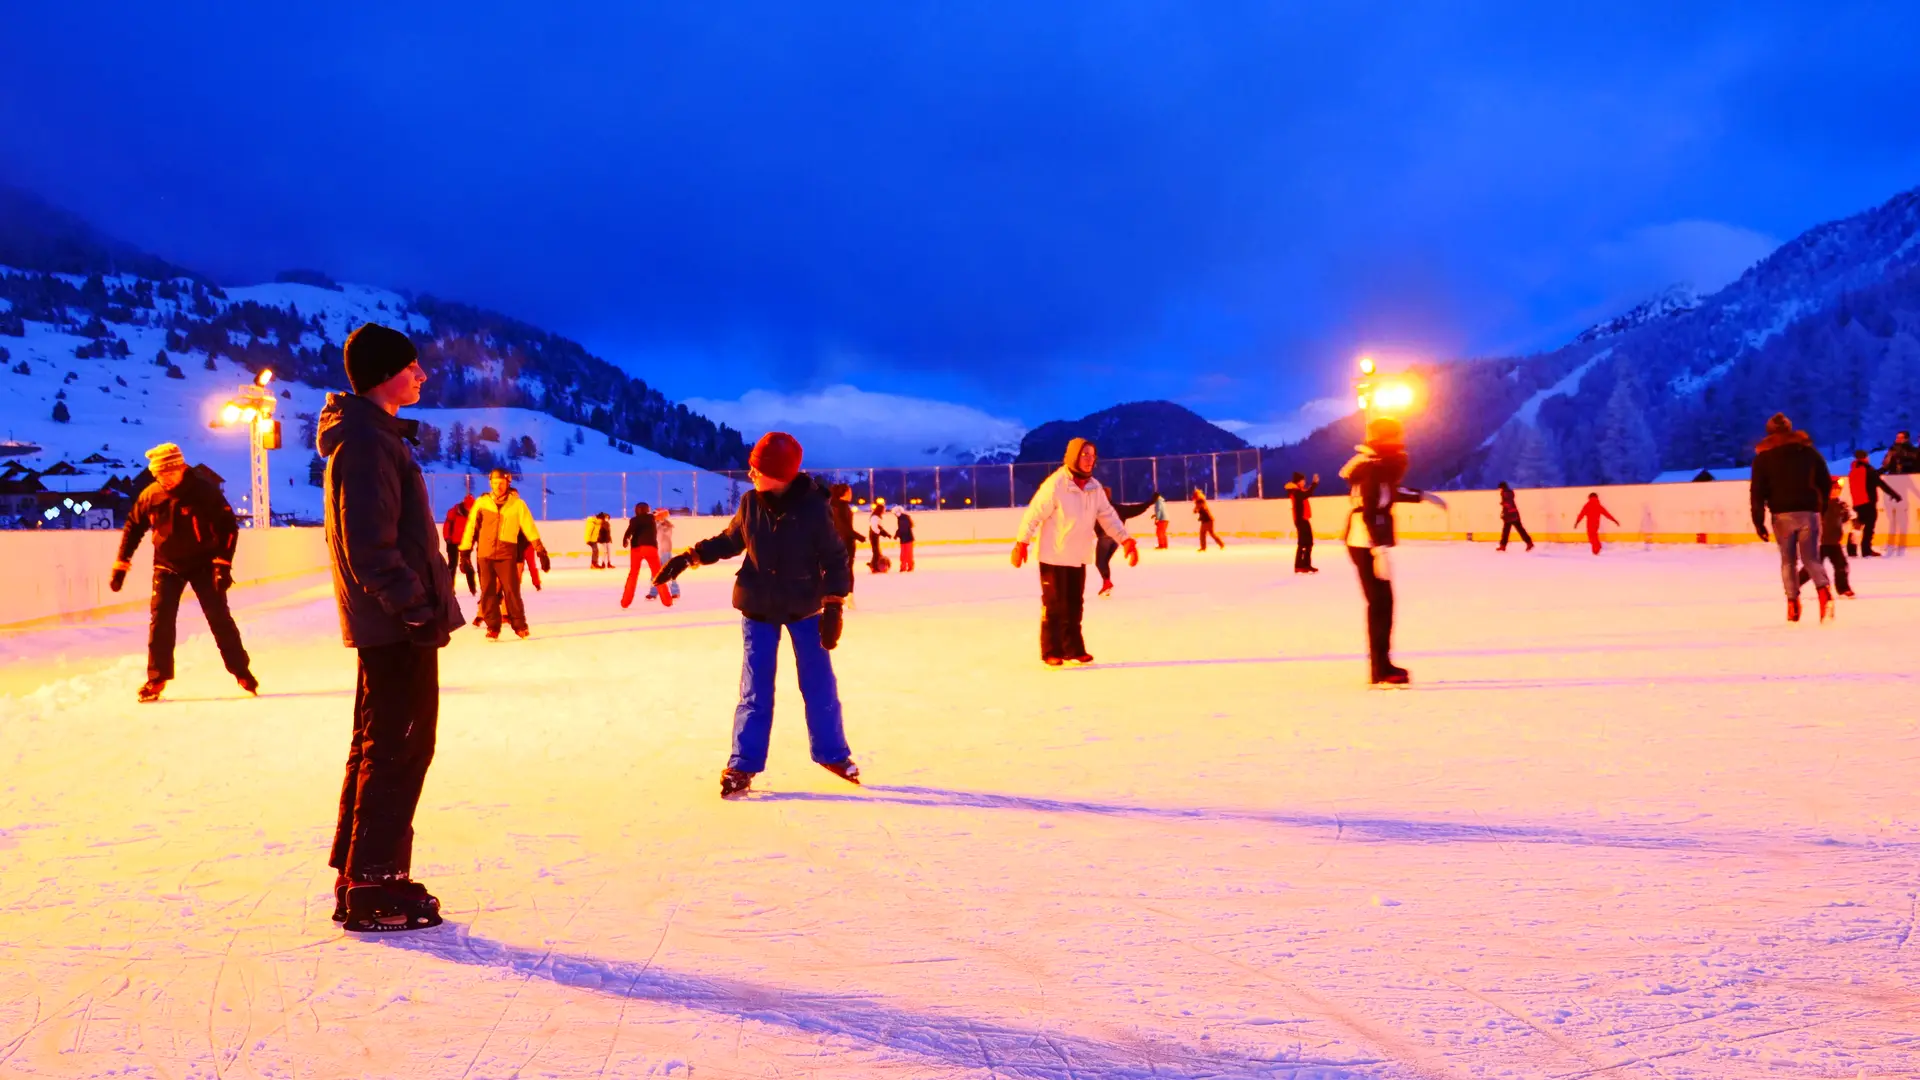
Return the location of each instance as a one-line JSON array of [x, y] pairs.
[[642, 531], [1373, 479], [794, 556], [1789, 477], [388, 568], [193, 527], [903, 527]]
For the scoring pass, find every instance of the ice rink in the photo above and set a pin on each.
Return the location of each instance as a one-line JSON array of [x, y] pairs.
[[1627, 823]]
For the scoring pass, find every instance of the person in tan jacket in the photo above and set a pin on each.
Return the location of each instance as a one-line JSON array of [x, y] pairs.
[[500, 523]]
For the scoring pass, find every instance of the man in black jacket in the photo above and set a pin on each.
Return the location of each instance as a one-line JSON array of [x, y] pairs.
[[796, 575], [1902, 457], [1792, 480], [194, 535], [397, 609], [1300, 493]]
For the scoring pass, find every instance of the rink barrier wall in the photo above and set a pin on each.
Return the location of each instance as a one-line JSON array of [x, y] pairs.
[[59, 576]]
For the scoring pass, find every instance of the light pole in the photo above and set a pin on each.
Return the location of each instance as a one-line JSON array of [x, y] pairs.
[[253, 404]]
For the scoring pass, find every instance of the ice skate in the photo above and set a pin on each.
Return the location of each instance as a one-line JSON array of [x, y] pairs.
[[524, 634], [248, 683], [1082, 660], [493, 635], [1793, 609], [1826, 604], [734, 783], [1106, 588], [1393, 677], [388, 907], [1052, 661], [845, 770], [150, 690]]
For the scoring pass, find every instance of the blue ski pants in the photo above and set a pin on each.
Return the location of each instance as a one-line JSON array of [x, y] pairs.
[[753, 719]]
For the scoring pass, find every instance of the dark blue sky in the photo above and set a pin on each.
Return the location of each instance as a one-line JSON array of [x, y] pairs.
[[1035, 208]]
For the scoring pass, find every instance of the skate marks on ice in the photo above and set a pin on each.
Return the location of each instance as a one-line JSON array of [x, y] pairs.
[[863, 1023], [1362, 829]]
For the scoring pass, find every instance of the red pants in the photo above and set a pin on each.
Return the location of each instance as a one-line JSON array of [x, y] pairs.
[[1160, 535], [648, 555], [906, 557], [1593, 537]]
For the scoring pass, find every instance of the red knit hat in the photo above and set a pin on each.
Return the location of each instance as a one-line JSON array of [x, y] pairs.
[[776, 456]]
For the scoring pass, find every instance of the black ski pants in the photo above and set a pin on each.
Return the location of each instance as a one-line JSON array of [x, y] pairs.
[[1303, 548], [1103, 550], [396, 710], [1836, 556], [1508, 528], [500, 587], [1869, 516], [453, 565], [1378, 590], [168, 585], [1063, 598]]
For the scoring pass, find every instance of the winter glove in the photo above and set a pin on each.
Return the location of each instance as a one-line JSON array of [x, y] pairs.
[[546, 564], [222, 576], [466, 562], [420, 627], [675, 567], [1019, 554], [1133, 552], [119, 577], [830, 624]]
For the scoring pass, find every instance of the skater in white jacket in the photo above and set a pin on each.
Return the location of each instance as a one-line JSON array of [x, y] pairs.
[[1062, 516]]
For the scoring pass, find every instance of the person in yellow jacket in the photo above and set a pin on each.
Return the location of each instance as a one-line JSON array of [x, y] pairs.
[[499, 531]]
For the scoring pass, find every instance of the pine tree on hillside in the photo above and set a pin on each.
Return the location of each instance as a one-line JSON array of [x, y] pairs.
[[1894, 402], [1536, 461], [1628, 452], [60, 413], [457, 443]]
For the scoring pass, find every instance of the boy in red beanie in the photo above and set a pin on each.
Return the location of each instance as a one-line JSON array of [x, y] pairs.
[[796, 576]]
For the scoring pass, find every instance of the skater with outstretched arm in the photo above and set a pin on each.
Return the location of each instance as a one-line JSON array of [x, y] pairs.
[[1866, 485], [1106, 546], [1791, 480], [1510, 519], [1061, 517], [397, 610], [1373, 478], [1300, 493], [194, 535], [793, 578], [1591, 513]]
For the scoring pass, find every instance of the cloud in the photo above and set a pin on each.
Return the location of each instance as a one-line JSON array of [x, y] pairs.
[[1292, 427], [1707, 255], [845, 426]]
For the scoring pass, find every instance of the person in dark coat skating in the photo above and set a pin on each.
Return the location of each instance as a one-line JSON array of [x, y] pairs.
[[795, 578], [1865, 485], [1833, 528], [1105, 547], [397, 611], [642, 541], [1792, 480], [1300, 493], [1510, 519], [1373, 478], [194, 535]]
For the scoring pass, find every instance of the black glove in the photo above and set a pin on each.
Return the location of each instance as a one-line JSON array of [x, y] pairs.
[[222, 576], [118, 579], [466, 562], [421, 628], [546, 564], [674, 568], [831, 620]]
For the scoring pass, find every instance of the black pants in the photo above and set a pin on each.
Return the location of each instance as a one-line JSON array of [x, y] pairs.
[[873, 538], [500, 587], [1836, 557], [167, 586], [1869, 516], [1103, 550], [1063, 598], [396, 710], [453, 565], [1303, 550], [1508, 528], [1206, 530], [1379, 594]]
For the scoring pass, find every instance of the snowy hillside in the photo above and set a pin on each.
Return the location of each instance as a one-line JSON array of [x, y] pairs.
[[1676, 300]]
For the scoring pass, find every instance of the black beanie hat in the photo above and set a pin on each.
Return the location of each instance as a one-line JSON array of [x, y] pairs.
[[374, 354]]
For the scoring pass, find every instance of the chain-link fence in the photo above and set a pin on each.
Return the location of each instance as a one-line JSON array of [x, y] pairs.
[[1233, 474]]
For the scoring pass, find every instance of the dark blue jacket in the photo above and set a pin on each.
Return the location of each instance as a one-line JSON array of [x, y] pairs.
[[794, 556]]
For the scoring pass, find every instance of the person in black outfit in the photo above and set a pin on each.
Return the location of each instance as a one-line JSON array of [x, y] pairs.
[[194, 534], [1105, 547], [1374, 477], [1299, 491], [840, 504], [397, 610], [1866, 485], [1902, 457], [1833, 527], [1510, 519], [794, 579], [1791, 479]]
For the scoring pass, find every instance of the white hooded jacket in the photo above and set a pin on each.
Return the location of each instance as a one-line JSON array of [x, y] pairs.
[[1062, 515]]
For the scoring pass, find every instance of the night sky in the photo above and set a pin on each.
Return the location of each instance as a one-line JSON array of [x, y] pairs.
[[1035, 209]]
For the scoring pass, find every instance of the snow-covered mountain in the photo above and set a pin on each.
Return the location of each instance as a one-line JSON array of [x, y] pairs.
[[1674, 300], [1825, 329], [105, 351]]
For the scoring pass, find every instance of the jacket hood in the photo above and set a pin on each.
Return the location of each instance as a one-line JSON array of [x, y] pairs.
[[1071, 459], [1784, 438], [1365, 454], [350, 414]]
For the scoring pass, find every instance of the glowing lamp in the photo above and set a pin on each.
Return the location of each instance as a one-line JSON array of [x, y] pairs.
[[1366, 366], [265, 377], [1363, 403], [230, 413], [1393, 397]]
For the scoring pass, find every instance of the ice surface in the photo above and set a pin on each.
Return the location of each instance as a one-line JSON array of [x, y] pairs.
[[1628, 823]]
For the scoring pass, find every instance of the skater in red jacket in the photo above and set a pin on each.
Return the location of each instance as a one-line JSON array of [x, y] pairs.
[[1591, 514]]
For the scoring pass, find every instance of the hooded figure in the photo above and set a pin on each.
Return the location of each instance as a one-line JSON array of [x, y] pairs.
[[1062, 519], [1373, 478]]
